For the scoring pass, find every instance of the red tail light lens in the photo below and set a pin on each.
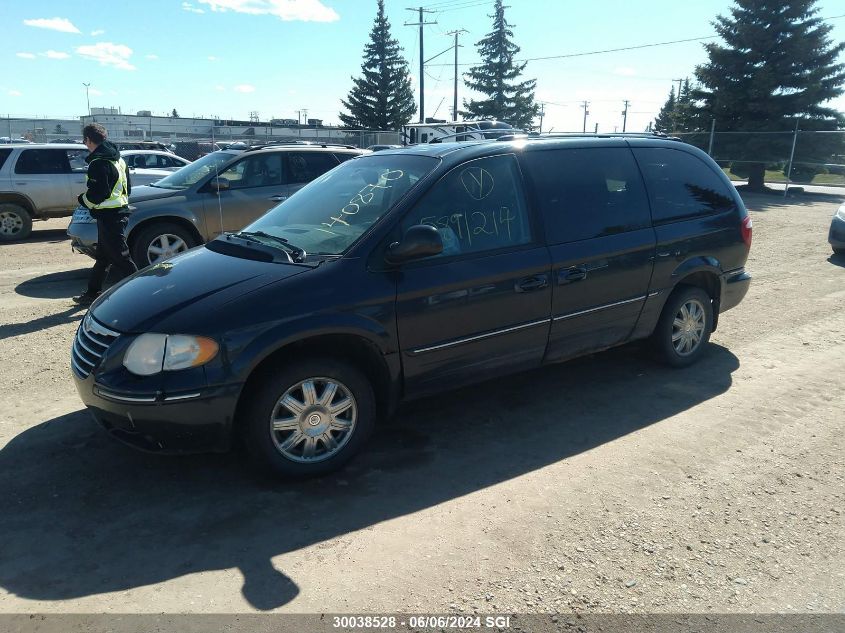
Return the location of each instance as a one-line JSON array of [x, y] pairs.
[[746, 230]]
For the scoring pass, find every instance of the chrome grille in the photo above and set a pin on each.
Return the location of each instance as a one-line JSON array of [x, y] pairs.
[[91, 342]]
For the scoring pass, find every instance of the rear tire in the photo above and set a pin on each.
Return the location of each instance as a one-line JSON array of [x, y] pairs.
[[15, 222], [839, 251], [307, 418], [167, 238], [684, 327]]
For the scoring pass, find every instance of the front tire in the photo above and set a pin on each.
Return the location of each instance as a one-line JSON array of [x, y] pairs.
[[307, 418], [684, 327], [15, 222], [160, 241], [839, 251]]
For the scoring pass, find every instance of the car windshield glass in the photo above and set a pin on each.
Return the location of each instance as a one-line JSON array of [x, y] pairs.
[[196, 171], [330, 213]]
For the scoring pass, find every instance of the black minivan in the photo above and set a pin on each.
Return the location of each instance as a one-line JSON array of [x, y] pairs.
[[407, 272]]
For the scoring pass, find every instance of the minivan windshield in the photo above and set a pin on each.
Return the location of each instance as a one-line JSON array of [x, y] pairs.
[[196, 171], [331, 212]]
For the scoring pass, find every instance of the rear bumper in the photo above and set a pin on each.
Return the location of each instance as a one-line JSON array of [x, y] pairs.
[[83, 237], [836, 236], [735, 284]]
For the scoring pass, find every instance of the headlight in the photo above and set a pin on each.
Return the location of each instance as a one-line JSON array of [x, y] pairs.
[[152, 353]]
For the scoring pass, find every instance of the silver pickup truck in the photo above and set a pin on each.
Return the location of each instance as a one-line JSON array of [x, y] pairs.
[[42, 181]]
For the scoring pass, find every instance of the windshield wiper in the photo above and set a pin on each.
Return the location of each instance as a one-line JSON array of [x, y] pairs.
[[297, 252]]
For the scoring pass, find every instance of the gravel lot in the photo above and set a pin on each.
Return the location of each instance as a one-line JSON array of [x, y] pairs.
[[605, 484]]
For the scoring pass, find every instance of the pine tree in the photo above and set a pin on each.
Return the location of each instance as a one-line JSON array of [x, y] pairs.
[[665, 121], [777, 64], [174, 114], [508, 101], [685, 118], [382, 99]]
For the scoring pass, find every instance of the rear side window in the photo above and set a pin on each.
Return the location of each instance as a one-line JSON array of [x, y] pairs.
[[344, 157], [306, 166], [681, 185], [43, 161], [588, 192], [4, 154]]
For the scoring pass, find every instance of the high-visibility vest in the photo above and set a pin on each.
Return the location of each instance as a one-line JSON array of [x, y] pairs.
[[119, 196]]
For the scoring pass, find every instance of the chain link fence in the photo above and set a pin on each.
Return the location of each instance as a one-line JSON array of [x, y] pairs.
[[792, 157]]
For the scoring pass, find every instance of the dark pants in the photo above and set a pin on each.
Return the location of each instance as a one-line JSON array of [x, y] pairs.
[[112, 250]]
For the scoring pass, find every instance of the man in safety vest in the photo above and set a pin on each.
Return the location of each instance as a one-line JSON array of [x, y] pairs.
[[107, 198]]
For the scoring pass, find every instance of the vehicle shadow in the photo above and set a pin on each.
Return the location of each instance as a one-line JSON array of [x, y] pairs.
[[87, 516], [9, 330], [837, 260], [53, 236], [55, 285]]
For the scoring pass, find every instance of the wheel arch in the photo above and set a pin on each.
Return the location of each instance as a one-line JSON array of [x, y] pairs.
[[135, 229], [19, 199]]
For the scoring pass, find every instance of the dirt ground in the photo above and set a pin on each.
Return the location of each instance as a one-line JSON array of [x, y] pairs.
[[607, 484]]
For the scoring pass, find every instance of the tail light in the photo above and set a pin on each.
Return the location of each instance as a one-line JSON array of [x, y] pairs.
[[746, 230]]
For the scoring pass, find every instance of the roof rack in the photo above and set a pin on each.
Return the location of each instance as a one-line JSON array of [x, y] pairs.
[[298, 144], [498, 133], [653, 134]]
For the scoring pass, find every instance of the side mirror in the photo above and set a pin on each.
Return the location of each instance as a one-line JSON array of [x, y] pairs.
[[218, 184], [421, 240]]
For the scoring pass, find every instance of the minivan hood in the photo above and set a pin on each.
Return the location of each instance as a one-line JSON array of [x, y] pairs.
[[144, 192], [191, 285]]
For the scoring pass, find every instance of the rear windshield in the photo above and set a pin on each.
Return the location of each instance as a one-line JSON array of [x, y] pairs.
[[4, 154]]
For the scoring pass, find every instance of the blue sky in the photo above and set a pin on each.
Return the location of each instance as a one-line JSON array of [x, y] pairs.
[[230, 57]]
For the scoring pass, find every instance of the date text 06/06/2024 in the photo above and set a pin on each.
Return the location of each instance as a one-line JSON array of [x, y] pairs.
[[422, 621]]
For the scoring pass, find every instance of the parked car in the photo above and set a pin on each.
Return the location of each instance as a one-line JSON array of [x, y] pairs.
[[153, 159], [836, 236], [378, 148], [223, 191], [404, 273], [42, 181], [151, 145]]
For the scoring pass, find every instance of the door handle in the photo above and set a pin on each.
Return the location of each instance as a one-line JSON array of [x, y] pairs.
[[529, 284], [574, 273], [278, 198]]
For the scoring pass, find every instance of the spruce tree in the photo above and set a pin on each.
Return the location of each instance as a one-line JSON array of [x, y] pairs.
[[777, 65], [382, 99], [508, 101], [665, 121], [685, 119]]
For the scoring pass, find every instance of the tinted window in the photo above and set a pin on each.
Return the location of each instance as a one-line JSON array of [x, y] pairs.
[[259, 170], [4, 154], [42, 161], [344, 157], [587, 193], [306, 166], [478, 206], [681, 185], [76, 159]]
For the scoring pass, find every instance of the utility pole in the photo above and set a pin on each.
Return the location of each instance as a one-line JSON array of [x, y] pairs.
[[421, 24], [586, 112], [542, 114], [455, 98], [88, 85], [678, 94], [625, 115]]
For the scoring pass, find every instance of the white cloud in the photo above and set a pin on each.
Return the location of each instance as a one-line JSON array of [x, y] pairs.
[[25, 55], [97, 32], [151, 56], [244, 88], [94, 92], [625, 71], [108, 54], [15, 93], [212, 58], [55, 55], [187, 6], [54, 24], [220, 88], [287, 10]]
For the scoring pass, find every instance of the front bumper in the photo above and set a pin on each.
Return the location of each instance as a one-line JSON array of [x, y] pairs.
[[836, 236], [735, 284], [194, 421], [83, 237]]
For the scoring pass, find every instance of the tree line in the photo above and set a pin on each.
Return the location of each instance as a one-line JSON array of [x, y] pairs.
[[776, 66]]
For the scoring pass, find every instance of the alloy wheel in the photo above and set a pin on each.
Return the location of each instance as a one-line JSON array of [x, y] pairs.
[[688, 327]]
